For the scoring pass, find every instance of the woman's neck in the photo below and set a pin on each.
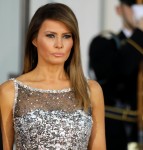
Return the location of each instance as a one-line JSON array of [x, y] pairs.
[[54, 72]]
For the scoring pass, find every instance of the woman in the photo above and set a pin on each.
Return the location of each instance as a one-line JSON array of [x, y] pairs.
[[52, 105]]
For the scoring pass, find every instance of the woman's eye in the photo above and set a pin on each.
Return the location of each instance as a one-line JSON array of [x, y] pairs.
[[50, 35], [67, 36]]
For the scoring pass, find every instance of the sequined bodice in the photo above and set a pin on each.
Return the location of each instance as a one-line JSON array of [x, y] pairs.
[[49, 120]]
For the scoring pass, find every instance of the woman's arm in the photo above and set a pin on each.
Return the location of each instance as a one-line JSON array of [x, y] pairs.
[[6, 118], [97, 139]]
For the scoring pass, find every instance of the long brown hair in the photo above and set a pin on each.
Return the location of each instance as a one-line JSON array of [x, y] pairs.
[[73, 67]]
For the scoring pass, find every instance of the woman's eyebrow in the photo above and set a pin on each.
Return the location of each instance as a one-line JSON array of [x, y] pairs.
[[56, 32]]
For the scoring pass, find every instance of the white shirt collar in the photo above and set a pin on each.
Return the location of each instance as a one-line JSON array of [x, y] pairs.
[[128, 33]]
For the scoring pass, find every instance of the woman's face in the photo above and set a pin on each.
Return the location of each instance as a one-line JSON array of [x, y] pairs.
[[54, 43]]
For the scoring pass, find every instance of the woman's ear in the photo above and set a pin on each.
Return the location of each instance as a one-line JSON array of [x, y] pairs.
[[34, 42]]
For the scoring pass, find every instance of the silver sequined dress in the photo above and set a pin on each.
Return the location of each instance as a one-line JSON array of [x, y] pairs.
[[49, 120]]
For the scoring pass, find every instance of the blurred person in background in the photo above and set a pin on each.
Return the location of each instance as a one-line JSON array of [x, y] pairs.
[[115, 60]]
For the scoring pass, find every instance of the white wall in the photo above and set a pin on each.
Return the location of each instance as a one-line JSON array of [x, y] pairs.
[[9, 38], [111, 20]]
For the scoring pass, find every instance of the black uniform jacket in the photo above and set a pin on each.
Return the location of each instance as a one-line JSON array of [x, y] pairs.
[[115, 62]]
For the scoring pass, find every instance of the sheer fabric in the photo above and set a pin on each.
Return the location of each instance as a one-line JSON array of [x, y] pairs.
[[49, 119]]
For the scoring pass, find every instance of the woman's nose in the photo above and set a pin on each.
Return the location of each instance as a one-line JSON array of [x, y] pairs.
[[58, 42]]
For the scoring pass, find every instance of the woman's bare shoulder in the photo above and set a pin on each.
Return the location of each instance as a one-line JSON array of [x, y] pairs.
[[94, 86], [7, 86], [96, 93], [7, 91]]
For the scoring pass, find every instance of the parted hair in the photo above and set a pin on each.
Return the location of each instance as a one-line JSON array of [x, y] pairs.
[[73, 67]]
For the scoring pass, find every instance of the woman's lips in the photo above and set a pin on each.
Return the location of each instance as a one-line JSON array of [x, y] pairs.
[[58, 54]]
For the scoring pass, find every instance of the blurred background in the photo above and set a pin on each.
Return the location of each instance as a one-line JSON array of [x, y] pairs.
[[93, 16]]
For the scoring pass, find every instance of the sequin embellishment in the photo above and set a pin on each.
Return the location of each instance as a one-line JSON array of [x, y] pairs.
[[49, 120]]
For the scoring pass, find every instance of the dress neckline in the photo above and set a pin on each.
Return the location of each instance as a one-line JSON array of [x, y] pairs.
[[39, 89]]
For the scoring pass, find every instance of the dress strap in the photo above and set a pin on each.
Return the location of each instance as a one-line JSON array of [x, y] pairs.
[[16, 92]]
